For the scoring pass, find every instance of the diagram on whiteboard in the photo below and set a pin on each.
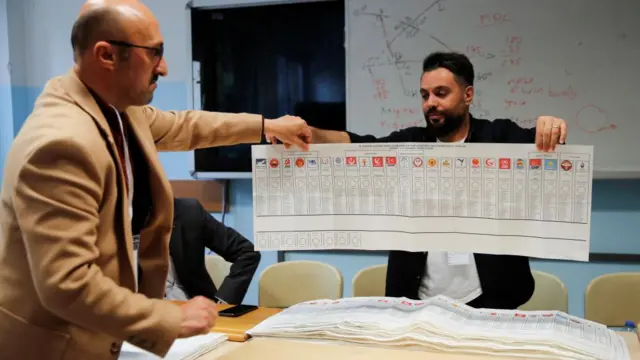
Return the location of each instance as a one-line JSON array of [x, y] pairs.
[[528, 62]]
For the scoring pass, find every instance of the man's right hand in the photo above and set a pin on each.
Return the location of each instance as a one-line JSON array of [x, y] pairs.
[[290, 130], [198, 317]]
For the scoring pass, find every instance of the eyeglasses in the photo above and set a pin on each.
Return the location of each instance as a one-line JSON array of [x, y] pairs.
[[157, 51]]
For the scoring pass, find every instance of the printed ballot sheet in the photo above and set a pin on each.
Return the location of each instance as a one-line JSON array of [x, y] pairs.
[[482, 198], [445, 325]]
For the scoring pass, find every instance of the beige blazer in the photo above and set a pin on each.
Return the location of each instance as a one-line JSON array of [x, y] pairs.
[[66, 254]]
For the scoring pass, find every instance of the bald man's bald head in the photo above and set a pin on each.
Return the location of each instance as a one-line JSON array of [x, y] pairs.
[[101, 23], [103, 20]]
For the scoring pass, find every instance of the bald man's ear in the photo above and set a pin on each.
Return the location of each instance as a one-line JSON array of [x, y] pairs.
[[104, 54]]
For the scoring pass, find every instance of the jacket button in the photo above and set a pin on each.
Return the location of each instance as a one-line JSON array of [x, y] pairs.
[[115, 348]]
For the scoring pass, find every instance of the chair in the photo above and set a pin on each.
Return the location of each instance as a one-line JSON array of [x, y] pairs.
[[217, 267], [550, 293], [291, 282], [612, 299], [370, 281]]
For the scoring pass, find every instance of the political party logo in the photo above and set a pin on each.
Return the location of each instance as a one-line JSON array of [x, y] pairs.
[[489, 163], [417, 162], [475, 162], [377, 161], [324, 161], [364, 162], [287, 163], [338, 161], [566, 165], [261, 162], [551, 164], [391, 161], [351, 160], [519, 164], [461, 162], [446, 163], [274, 163], [505, 163], [583, 165], [299, 162], [432, 162], [312, 162], [535, 164]]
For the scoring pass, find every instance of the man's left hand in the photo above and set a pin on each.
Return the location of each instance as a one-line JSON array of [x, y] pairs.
[[550, 131]]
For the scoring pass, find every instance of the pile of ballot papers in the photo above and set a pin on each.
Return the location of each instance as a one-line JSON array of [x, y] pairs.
[[182, 349], [444, 325]]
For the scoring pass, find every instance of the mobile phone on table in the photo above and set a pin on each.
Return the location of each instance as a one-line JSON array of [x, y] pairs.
[[237, 310]]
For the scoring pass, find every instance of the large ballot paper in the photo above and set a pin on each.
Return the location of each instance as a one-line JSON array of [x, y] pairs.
[[445, 325], [459, 198]]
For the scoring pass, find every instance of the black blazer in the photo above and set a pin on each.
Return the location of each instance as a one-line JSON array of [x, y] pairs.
[[194, 229], [506, 280]]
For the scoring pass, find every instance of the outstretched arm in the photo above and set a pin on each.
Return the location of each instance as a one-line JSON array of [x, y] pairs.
[[194, 129]]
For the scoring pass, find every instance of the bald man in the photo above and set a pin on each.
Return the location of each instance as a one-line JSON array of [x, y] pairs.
[[85, 207]]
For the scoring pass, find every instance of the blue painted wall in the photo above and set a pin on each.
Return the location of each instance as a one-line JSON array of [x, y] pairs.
[[40, 49]]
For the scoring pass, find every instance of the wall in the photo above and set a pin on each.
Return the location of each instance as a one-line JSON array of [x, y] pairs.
[[6, 113], [39, 49]]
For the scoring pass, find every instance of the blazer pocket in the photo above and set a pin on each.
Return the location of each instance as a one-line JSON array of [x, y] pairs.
[[21, 340]]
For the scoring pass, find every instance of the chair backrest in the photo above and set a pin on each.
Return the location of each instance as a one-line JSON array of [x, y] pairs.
[[612, 299], [370, 281], [218, 268], [550, 294], [291, 282]]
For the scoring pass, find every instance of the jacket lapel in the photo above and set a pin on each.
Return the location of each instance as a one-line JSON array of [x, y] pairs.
[[83, 98], [161, 195]]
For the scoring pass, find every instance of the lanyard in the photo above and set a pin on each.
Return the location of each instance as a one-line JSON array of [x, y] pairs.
[[127, 161]]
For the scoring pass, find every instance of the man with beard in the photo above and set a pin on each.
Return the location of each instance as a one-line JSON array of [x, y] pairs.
[[483, 280]]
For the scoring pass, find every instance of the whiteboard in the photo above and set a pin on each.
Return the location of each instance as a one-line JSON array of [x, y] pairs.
[[575, 59]]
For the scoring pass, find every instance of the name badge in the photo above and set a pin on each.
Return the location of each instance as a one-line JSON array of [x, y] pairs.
[[458, 258]]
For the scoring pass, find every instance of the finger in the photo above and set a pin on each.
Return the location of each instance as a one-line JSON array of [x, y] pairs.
[[307, 135], [539, 132], [546, 135], [555, 137], [297, 141], [212, 315], [563, 133]]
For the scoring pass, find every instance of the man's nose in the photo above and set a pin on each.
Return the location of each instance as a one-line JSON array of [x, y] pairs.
[[162, 69]]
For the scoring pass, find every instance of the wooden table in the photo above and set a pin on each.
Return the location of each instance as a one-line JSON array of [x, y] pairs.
[[283, 349], [236, 328]]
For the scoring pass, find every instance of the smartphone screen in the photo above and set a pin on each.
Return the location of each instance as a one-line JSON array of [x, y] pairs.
[[237, 310]]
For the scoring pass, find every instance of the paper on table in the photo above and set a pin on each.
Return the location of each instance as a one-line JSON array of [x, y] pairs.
[[443, 324], [480, 198], [182, 349]]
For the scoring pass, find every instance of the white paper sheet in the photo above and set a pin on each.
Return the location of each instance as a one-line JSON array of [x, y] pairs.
[[482, 198], [182, 349]]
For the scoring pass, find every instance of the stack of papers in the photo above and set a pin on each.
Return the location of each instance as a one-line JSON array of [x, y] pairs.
[[442, 324], [182, 349]]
